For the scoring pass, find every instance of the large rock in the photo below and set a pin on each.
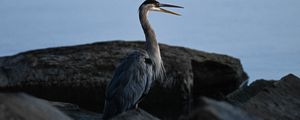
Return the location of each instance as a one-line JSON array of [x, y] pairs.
[[21, 106], [242, 95], [75, 112], [24, 107], [79, 75], [136, 114], [271, 100], [217, 110]]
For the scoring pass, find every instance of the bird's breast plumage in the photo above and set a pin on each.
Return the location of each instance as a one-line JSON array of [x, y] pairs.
[[131, 80]]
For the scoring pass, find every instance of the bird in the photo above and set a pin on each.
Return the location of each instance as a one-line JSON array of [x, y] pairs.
[[132, 79]]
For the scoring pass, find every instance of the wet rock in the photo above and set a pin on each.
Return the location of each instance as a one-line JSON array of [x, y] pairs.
[[79, 74], [24, 107], [273, 100]]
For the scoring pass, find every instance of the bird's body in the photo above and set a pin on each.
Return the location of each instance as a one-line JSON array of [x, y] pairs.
[[131, 81], [133, 77]]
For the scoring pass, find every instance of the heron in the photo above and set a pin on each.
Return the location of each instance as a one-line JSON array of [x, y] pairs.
[[133, 77]]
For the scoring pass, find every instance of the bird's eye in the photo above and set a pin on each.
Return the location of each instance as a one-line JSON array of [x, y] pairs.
[[156, 4]]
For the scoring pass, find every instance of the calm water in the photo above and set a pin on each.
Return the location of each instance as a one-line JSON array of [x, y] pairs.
[[264, 34]]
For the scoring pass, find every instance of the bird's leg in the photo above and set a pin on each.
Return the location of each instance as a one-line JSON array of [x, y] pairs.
[[137, 106]]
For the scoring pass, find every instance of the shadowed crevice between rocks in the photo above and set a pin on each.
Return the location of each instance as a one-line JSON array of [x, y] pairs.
[[214, 79]]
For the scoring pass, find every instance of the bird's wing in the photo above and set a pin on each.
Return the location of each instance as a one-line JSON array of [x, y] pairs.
[[131, 79]]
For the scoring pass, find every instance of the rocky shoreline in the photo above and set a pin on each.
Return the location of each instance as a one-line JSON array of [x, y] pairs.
[[200, 85]]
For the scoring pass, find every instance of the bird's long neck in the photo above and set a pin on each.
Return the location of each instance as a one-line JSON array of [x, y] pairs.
[[152, 45], [151, 42]]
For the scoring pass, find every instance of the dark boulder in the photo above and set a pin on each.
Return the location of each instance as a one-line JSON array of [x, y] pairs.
[[75, 112], [25, 107], [209, 109], [242, 95], [79, 75], [21, 106], [138, 114], [271, 100]]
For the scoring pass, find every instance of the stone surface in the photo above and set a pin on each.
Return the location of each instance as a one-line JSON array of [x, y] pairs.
[[75, 112], [242, 95], [138, 114], [273, 100], [24, 107], [21, 106], [79, 74], [217, 110]]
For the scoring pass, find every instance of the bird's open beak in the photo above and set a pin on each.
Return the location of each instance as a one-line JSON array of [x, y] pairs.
[[167, 11]]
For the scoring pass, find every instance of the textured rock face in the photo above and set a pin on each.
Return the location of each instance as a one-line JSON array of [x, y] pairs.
[[272, 100], [79, 75], [25, 107]]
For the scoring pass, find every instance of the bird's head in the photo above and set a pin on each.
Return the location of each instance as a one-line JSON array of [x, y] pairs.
[[153, 5]]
